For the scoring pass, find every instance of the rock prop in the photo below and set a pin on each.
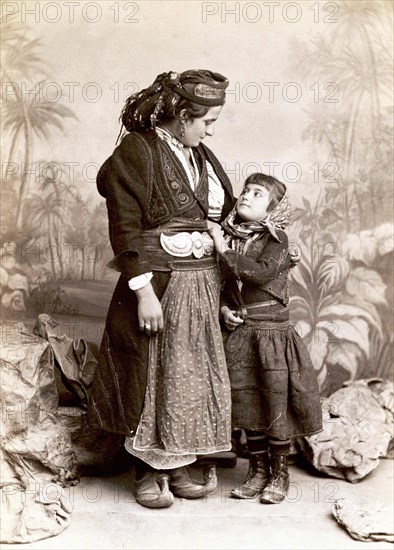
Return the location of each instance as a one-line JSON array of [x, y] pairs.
[[362, 524], [46, 446], [38, 461], [357, 430]]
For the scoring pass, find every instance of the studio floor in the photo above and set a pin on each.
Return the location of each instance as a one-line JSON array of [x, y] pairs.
[[106, 515]]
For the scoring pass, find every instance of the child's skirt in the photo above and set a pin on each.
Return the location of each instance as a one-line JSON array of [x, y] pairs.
[[274, 386]]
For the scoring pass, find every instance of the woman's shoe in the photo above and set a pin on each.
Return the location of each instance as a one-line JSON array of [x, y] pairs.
[[210, 478], [183, 486], [153, 491], [257, 477]]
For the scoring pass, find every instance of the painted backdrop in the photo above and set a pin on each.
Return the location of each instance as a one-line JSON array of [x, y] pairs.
[[309, 101]]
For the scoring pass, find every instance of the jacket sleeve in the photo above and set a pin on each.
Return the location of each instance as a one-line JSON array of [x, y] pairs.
[[123, 181], [273, 259]]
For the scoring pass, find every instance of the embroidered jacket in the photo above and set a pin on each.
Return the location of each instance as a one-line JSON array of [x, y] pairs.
[[145, 185]]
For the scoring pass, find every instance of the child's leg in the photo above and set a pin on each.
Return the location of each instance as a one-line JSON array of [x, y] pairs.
[[276, 489], [258, 473]]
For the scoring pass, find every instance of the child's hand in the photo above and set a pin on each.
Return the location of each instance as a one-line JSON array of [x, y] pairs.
[[216, 233], [214, 227], [230, 320], [295, 254]]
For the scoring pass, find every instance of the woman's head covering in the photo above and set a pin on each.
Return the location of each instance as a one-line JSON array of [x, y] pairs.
[[202, 87], [158, 101], [241, 235]]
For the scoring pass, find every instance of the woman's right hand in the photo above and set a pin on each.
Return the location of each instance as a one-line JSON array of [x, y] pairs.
[[150, 314]]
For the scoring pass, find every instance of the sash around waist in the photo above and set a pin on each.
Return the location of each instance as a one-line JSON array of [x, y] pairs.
[[157, 244]]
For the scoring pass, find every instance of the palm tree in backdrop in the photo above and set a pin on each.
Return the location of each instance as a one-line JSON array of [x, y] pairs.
[[339, 293], [354, 57], [26, 115]]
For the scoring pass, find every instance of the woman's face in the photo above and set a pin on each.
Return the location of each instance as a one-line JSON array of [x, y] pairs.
[[253, 202], [196, 129]]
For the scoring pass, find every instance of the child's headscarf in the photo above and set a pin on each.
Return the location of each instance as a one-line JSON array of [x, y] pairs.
[[241, 235]]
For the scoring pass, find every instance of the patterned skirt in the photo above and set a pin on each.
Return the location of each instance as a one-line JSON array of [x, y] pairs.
[[187, 408], [274, 386]]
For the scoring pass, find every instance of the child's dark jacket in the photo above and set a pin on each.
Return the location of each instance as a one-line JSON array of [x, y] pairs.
[[263, 271]]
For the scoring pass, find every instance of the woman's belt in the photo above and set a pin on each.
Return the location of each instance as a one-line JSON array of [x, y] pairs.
[[168, 249]]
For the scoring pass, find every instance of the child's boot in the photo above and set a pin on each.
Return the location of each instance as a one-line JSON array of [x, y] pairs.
[[278, 485], [257, 477]]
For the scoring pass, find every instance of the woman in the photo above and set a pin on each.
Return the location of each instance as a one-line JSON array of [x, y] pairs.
[[162, 379]]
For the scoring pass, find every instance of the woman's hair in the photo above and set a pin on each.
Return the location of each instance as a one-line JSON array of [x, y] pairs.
[[196, 91], [275, 187], [136, 115]]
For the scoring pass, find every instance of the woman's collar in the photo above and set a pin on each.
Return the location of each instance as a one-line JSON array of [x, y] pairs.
[[169, 137]]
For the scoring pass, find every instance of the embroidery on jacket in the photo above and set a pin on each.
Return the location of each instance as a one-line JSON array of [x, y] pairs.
[[169, 193], [180, 192], [202, 188], [167, 186]]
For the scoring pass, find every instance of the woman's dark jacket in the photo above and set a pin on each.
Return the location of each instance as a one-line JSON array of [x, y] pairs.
[[144, 185]]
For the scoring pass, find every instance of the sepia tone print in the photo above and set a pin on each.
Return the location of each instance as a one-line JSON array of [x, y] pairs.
[[308, 101]]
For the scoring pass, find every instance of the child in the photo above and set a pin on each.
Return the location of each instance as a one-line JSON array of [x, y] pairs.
[[275, 395]]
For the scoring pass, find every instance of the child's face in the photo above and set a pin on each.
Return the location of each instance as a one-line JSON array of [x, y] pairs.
[[253, 202]]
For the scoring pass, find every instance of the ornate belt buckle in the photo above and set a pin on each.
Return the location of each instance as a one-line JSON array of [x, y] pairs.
[[183, 244], [202, 244], [180, 244]]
